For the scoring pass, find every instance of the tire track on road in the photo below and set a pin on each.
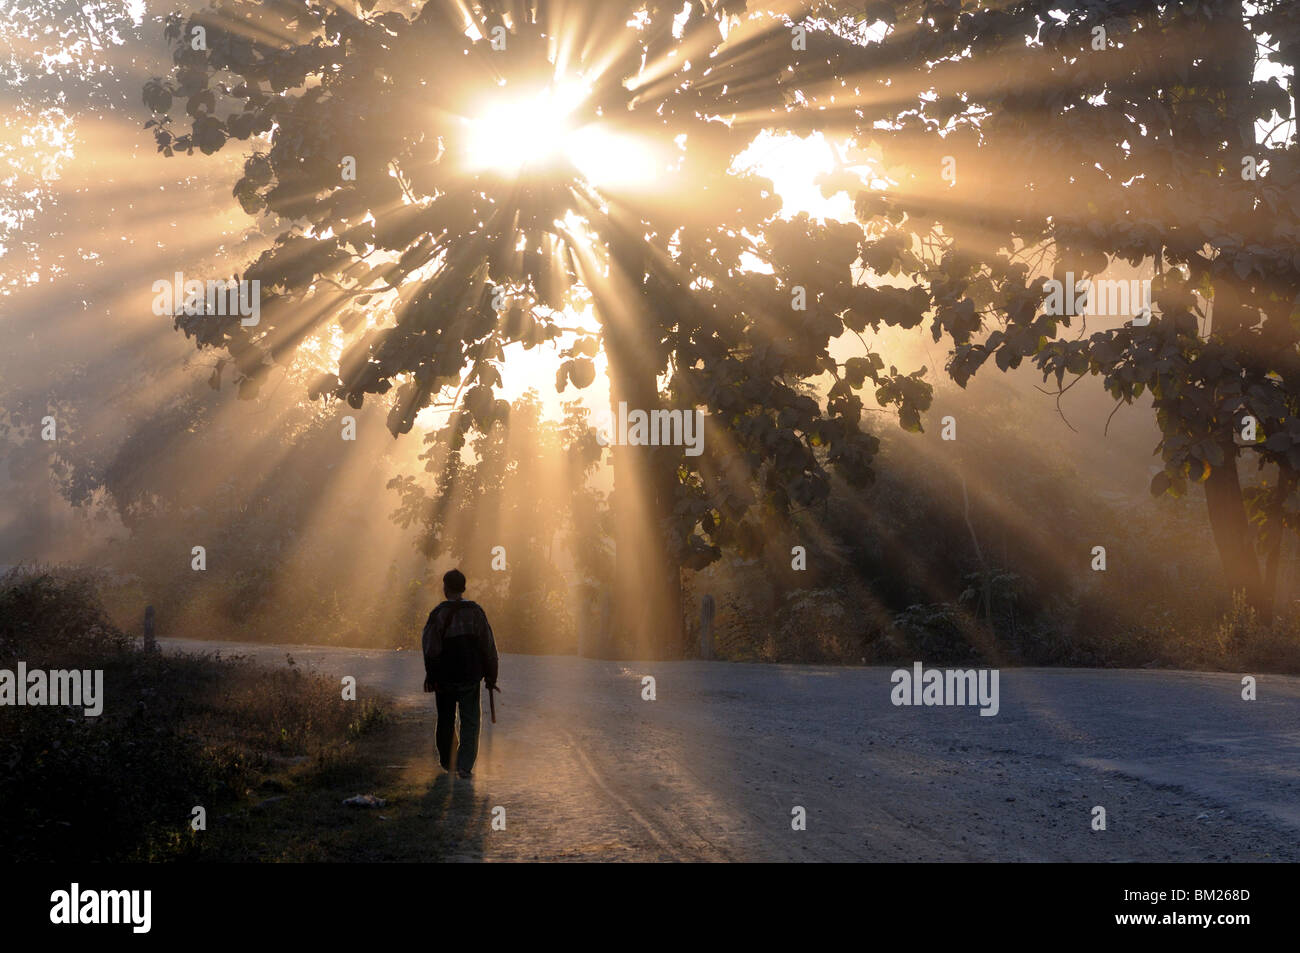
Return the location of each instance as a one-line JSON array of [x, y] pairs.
[[626, 805]]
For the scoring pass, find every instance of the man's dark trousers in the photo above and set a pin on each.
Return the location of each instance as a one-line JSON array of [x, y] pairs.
[[447, 698]]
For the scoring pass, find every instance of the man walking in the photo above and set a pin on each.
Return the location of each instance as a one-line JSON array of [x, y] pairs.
[[459, 652]]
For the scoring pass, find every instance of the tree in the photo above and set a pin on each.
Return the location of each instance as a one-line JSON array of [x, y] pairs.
[[435, 257], [1039, 139], [513, 515], [56, 62]]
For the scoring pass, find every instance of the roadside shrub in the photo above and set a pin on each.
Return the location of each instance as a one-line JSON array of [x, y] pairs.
[[176, 731]]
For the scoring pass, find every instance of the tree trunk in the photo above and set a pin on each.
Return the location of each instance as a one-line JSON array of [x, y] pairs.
[[1231, 531], [1277, 532], [1231, 61], [979, 554], [647, 611]]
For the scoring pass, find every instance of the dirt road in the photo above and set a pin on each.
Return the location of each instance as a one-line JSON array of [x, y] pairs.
[[714, 767]]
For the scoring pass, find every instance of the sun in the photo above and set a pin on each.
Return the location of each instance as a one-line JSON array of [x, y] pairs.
[[540, 131], [511, 134]]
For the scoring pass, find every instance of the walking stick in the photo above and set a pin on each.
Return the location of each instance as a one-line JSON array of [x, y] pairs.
[[492, 703]]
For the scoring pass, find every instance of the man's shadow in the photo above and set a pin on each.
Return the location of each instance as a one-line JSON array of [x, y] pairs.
[[461, 812]]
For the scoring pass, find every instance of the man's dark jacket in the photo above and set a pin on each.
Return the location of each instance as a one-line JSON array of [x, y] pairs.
[[469, 652]]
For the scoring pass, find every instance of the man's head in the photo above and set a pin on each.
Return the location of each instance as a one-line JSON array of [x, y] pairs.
[[453, 584]]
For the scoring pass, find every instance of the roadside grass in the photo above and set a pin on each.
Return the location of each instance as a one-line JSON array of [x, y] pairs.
[[299, 816], [177, 732]]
